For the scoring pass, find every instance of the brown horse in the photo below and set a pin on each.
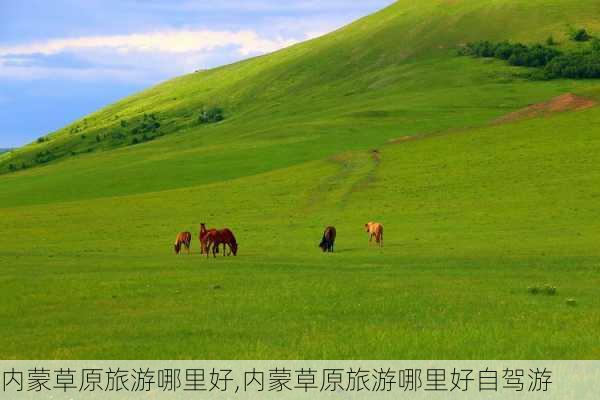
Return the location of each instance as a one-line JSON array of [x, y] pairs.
[[375, 230], [203, 236], [218, 237], [183, 239], [328, 240]]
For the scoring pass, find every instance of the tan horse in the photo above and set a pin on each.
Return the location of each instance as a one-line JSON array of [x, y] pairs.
[[183, 239], [375, 230]]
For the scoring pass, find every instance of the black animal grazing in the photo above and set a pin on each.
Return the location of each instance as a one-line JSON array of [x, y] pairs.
[[328, 239]]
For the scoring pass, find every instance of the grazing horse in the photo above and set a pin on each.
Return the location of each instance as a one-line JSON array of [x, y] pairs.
[[223, 236], [203, 236], [328, 239], [185, 239], [375, 230]]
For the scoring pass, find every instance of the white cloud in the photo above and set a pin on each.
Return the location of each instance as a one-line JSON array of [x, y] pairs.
[[152, 56], [248, 42], [139, 57]]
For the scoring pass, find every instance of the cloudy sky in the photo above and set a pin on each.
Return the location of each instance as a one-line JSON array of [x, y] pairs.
[[62, 59]]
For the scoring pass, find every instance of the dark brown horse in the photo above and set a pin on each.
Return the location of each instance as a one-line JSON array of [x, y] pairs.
[[183, 239], [218, 237], [328, 239], [203, 236]]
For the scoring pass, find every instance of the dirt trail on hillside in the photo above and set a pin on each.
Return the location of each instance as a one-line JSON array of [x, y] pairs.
[[563, 103], [401, 139], [355, 172]]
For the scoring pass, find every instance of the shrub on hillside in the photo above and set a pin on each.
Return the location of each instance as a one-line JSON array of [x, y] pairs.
[[116, 135], [516, 54], [211, 115], [44, 157], [576, 66], [149, 124], [42, 139], [579, 35], [535, 56], [144, 138], [550, 63]]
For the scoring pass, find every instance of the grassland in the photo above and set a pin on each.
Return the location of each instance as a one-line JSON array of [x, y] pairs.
[[475, 212]]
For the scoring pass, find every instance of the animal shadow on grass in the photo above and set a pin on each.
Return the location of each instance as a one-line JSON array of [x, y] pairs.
[[347, 250], [367, 248]]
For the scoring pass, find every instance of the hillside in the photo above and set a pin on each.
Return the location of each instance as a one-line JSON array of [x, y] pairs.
[[378, 68], [486, 181]]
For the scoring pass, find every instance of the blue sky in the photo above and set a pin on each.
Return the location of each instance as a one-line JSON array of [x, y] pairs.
[[62, 59]]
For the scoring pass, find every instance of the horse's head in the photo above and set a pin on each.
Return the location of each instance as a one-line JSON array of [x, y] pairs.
[[177, 247], [234, 248], [367, 226], [323, 245]]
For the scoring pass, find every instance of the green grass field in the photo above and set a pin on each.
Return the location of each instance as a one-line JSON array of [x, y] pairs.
[[475, 213]]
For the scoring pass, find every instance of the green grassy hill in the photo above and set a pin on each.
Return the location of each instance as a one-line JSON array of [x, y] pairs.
[[380, 120]]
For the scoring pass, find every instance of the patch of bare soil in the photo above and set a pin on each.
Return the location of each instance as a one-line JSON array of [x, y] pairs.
[[563, 103]]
